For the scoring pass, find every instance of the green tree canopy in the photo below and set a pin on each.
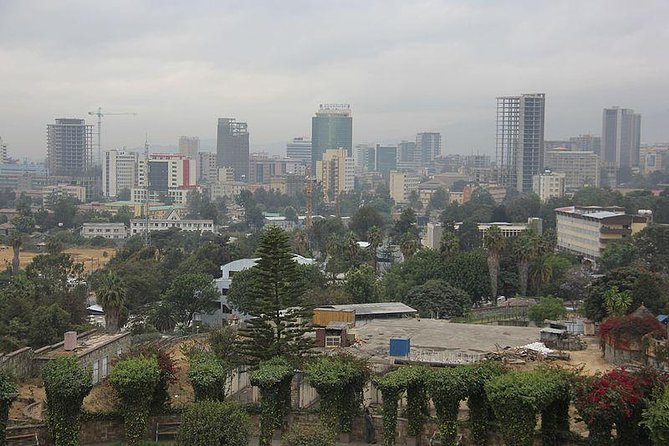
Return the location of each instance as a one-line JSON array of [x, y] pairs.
[[549, 307], [437, 299], [190, 294]]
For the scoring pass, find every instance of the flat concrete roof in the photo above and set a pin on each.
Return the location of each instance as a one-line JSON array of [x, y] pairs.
[[438, 340]]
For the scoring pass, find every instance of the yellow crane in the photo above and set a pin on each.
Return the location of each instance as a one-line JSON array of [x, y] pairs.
[[100, 114]]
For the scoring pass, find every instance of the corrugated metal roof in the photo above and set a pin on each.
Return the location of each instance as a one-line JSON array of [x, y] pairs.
[[374, 308]]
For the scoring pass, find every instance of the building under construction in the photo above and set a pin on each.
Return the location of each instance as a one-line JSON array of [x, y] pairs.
[[69, 147]]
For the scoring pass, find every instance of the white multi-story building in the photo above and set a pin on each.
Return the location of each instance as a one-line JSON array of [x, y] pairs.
[[549, 185], [167, 171], [207, 167], [336, 172], [3, 152], [434, 232], [402, 184], [138, 226], [587, 230], [580, 168], [177, 196], [119, 171], [300, 149], [111, 231]]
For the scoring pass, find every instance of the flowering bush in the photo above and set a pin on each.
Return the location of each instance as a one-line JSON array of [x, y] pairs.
[[630, 327], [617, 397]]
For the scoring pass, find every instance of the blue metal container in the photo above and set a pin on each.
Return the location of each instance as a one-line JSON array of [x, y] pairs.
[[400, 347]]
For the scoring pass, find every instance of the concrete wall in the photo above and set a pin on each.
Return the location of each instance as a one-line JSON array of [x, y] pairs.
[[18, 363]]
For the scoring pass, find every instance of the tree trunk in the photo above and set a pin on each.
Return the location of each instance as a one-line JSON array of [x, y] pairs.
[[111, 320], [16, 261], [493, 270], [523, 267]]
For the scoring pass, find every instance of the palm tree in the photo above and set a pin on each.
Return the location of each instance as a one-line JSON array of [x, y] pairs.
[[408, 245], [494, 242], [525, 249], [542, 272], [16, 241], [450, 243], [111, 296], [351, 246], [375, 238]]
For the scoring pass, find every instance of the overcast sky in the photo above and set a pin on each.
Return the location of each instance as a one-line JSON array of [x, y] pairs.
[[404, 66]]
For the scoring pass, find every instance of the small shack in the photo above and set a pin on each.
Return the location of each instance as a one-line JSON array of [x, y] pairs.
[[556, 335], [335, 334]]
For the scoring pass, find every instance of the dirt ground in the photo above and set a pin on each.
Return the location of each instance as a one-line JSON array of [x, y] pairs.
[[92, 258]]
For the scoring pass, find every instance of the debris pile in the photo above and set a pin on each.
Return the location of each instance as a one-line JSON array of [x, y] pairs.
[[535, 351]]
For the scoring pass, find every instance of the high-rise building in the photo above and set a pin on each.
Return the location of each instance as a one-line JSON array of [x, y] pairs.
[[232, 147], [119, 171], [331, 128], [580, 168], [167, 171], [520, 139], [3, 152], [365, 158], [189, 146], [207, 167], [386, 159], [402, 184], [69, 144], [336, 173], [585, 143], [549, 185], [407, 157], [621, 137], [299, 149], [428, 147]]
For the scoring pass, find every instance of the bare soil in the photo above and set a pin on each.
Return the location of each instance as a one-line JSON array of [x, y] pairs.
[[92, 258]]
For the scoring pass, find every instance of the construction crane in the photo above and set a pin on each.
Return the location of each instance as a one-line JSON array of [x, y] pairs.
[[100, 114], [308, 194]]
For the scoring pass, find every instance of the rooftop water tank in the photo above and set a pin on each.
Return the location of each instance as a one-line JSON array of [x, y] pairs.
[[400, 347]]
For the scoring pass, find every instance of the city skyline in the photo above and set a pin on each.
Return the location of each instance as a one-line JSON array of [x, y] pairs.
[[441, 74]]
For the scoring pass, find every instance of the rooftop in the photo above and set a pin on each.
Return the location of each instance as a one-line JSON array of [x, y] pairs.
[[86, 343], [374, 308]]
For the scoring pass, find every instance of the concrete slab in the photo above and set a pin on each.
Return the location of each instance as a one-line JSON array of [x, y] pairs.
[[438, 340]]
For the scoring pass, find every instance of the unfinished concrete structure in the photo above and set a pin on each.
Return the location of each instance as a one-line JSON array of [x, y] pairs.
[[69, 147]]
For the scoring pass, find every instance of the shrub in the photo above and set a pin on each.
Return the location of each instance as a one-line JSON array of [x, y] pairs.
[[391, 388], [135, 381], [480, 412], [168, 369], [615, 398], [517, 398], [448, 387], [214, 423], [274, 377], [207, 376], [547, 308], [66, 384], [339, 381], [630, 327], [309, 436], [656, 419], [7, 395]]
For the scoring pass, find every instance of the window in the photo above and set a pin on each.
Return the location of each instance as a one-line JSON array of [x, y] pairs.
[[333, 341], [104, 369], [96, 372]]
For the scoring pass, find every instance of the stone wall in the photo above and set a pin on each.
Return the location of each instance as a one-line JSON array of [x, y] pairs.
[[620, 356], [18, 363]]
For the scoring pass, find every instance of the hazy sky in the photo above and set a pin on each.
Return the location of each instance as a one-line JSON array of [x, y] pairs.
[[404, 66]]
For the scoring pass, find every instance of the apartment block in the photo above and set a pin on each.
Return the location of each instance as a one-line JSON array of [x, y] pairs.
[[402, 184], [119, 171], [587, 230], [336, 173], [549, 185], [580, 168]]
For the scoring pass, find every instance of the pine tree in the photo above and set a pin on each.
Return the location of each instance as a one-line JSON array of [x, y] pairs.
[[280, 316]]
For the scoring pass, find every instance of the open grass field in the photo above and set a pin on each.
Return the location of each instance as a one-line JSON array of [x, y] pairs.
[[92, 258]]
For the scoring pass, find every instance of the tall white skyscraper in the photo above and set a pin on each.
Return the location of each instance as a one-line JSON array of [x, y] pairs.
[[520, 139], [119, 171], [189, 146]]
